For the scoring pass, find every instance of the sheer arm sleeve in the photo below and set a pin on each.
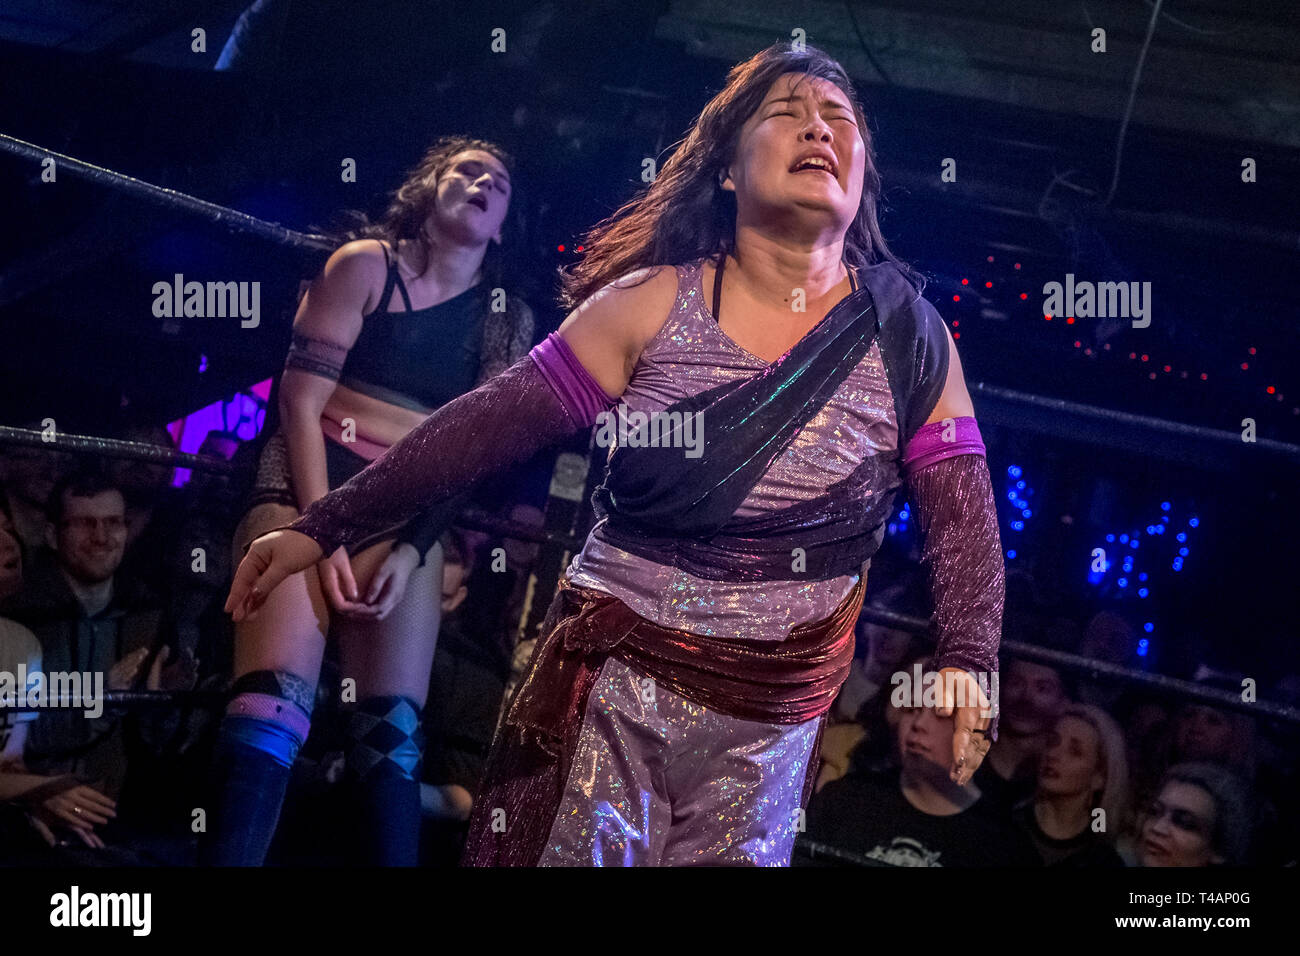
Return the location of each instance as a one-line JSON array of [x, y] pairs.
[[506, 340], [535, 403], [504, 421], [425, 528], [962, 554]]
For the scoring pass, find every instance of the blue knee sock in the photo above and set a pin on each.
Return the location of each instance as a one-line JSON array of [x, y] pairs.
[[257, 742], [384, 748]]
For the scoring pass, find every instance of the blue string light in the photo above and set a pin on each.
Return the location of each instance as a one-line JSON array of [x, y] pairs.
[[1127, 565]]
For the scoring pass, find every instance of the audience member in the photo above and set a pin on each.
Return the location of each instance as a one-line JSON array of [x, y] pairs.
[[1031, 696], [38, 814], [88, 620], [1079, 804], [1200, 817], [29, 473], [918, 817]]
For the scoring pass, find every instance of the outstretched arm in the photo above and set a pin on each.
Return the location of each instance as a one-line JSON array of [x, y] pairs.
[[559, 388], [948, 479], [535, 403]]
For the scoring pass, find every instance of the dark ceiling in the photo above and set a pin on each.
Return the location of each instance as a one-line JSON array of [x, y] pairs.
[[1050, 175]]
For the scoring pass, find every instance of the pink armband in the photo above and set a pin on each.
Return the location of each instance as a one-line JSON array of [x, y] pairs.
[[939, 440], [577, 391]]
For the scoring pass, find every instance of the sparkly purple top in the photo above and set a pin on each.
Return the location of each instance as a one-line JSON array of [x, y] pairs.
[[689, 355]]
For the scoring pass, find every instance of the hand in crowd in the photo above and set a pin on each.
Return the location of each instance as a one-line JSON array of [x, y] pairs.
[[79, 809], [167, 674], [124, 673]]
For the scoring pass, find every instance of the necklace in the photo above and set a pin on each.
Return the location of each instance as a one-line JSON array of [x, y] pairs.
[[717, 286]]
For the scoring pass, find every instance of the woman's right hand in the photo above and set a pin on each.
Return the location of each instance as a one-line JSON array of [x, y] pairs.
[[338, 582], [270, 559]]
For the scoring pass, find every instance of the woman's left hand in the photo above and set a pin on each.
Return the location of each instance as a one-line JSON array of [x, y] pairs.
[[970, 721], [388, 583]]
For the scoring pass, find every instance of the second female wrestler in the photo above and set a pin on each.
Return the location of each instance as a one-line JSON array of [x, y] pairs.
[[396, 325]]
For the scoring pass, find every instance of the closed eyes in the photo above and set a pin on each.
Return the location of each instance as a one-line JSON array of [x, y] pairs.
[[833, 119]]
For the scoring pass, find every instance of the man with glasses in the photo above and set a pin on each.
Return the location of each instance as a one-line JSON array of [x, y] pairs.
[[88, 619]]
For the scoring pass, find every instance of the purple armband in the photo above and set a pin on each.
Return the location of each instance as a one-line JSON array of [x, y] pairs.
[[939, 440], [577, 391], [962, 554]]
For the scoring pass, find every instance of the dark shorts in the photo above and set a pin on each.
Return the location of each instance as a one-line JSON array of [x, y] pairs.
[[272, 483]]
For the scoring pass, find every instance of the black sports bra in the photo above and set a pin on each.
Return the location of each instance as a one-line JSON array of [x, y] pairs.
[[420, 358]]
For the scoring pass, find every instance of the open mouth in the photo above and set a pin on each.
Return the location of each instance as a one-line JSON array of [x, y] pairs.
[[818, 164], [478, 201]]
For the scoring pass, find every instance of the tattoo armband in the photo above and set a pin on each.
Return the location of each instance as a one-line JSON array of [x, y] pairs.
[[316, 356]]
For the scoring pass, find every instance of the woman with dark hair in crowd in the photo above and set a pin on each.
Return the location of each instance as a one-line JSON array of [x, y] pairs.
[[1201, 816], [399, 322], [1078, 807], [672, 707]]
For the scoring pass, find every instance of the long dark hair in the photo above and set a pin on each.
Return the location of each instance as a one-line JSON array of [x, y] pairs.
[[685, 214], [409, 205]]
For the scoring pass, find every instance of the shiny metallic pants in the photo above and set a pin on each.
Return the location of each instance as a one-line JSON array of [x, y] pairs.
[[658, 780]]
